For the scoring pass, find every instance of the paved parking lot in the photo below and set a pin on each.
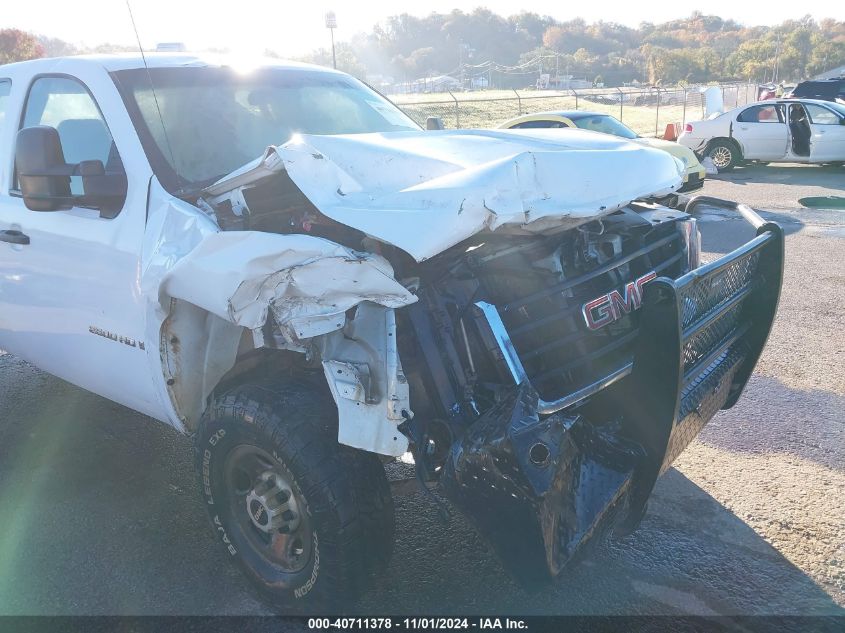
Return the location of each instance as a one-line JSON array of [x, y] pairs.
[[777, 187], [101, 515]]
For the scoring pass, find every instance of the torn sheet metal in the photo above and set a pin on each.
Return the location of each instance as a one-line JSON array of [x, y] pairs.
[[426, 191], [362, 368], [183, 374], [306, 282]]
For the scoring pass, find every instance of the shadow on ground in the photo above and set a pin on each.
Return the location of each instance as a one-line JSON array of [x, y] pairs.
[[775, 174], [690, 556], [807, 424]]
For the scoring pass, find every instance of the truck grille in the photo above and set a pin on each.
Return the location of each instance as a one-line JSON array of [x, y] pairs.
[[543, 315]]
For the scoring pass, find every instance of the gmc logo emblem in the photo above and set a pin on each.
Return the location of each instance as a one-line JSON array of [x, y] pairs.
[[614, 305]]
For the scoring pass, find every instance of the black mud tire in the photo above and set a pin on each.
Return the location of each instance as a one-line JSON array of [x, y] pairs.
[[344, 492], [724, 153]]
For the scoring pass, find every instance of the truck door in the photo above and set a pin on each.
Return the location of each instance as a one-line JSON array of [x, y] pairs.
[[70, 300], [828, 134], [762, 132]]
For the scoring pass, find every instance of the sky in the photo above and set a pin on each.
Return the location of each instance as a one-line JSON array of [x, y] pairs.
[[295, 28]]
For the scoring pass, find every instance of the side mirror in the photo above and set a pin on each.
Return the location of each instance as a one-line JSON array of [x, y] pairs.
[[43, 174], [103, 191], [434, 123]]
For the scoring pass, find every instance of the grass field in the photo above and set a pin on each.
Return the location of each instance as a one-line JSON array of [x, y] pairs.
[[490, 108]]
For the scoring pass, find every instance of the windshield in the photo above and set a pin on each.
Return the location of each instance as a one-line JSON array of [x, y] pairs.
[[216, 120], [605, 124]]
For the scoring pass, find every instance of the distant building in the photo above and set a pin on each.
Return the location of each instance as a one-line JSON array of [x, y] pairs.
[[564, 82], [171, 47], [382, 83], [440, 83], [479, 82]]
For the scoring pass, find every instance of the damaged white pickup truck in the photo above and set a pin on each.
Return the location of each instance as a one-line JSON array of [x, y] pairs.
[[282, 264]]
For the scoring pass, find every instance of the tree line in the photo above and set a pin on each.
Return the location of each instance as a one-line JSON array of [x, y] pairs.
[[700, 48], [512, 51]]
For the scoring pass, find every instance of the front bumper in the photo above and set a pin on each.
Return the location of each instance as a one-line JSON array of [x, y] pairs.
[[695, 144], [540, 486], [694, 181]]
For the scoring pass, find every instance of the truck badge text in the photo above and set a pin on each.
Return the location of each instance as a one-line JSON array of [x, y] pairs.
[[614, 305]]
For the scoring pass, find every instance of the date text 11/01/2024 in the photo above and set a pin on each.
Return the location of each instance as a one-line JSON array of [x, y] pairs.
[[418, 623]]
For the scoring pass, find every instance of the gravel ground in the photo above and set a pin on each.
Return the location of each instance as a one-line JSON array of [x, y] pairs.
[[101, 513]]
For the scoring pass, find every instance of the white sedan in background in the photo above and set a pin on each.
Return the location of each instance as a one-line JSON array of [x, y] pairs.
[[777, 131]]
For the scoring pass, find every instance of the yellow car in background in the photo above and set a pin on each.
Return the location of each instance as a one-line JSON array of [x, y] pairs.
[[606, 124]]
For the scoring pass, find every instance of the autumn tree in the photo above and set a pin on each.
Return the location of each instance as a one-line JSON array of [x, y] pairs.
[[512, 51], [698, 48], [18, 46]]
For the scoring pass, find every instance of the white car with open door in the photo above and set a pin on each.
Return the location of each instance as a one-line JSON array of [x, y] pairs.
[[782, 130]]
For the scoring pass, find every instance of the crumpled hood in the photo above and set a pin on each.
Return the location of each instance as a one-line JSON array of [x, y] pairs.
[[426, 191]]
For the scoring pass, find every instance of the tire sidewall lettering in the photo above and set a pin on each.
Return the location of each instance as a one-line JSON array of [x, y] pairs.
[[218, 526], [301, 592], [206, 477], [219, 435], [213, 440]]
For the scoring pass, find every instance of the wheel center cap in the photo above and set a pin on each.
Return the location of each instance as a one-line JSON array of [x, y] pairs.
[[258, 513], [271, 504]]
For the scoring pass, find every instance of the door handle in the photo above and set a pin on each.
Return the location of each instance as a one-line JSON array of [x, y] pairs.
[[14, 236]]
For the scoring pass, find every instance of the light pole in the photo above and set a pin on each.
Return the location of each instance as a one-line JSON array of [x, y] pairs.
[[777, 55], [331, 25]]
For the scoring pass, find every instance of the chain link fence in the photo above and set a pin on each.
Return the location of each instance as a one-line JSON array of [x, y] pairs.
[[646, 111]]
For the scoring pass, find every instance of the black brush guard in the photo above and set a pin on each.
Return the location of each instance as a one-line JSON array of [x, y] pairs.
[[539, 486]]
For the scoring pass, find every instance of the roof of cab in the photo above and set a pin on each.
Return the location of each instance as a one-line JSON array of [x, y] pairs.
[[130, 61]]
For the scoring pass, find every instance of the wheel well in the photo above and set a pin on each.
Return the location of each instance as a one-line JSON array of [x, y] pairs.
[[726, 140], [266, 367], [203, 354]]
